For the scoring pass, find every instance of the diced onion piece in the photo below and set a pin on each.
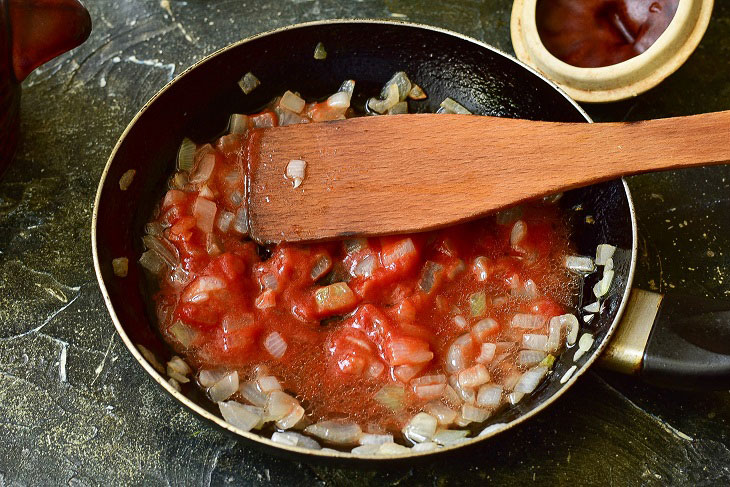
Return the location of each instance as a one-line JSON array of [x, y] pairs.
[[321, 267], [120, 265], [178, 365], [204, 169], [186, 155], [366, 449], [238, 124], [460, 321], [250, 392], [399, 108], [204, 212], [429, 386], [319, 52], [151, 358], [341, 99], [466, 395], [485, 328], [268, 383], [601, 288], [224, 388], [568, 374], [292, 418], [420, 428], [183, 333], [450, 437], [224, 220], [443, 414], [292, 102], [400, 79], [473, 376], [492, 428], [347, 86], [515, 397], [608, 266], [589, 317], [335, 297], [365, 267], [208, 378], [393, 449], [375, 369], [391, 396], [581, 265], [481, 268], [296, 171], [456, 355], [425, 446], [478, 304], [584, 344], [408, 351], [555, 333], [530, 379], [387, 101], [269, 281], [163, 248], [474, 414], [509, 215], [518, 233], [238, 415], [249, 82], [527, 321], [489, 396], [431, 271], [291, 438], [353, 245], [175, 384], [335, 432], [417, 93], [603, 253], [275, 344], [401, 249], [487, 353], [534, 342], [528, 358], [278, 405], [373, 439], [451, 106], [126, 180], [240, 221]]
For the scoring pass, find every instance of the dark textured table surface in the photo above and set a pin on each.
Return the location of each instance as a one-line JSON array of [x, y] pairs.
[[76, 409]]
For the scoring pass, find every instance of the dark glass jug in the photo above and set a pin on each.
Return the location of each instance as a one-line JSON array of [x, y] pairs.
[[31, 33]]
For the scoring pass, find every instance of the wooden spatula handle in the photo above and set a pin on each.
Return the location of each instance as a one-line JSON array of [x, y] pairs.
[[380, 175]]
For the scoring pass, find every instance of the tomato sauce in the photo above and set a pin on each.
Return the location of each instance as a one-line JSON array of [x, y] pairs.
[[354, 315], [594, 33]]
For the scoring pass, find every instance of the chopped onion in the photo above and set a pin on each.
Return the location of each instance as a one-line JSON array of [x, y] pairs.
[[568, 374], [372, 439], [387, 101], [375, 369], [238, 124], [594, 307], [179, 366], [393, 449], [460, 321], [492, 428], [581, 265], [204, 170], [334, 297], [391, 396], [174, 383], [555, 333], [321, 267], [292, 418], [335, 432], [319, 52], [603, 253], [239, 416], [420, 428], [224, 220], [473, 376], [208, 378], [120, 266], [474, 414], [341, 99], [224, 388], [429, 386], [509, 215], [347, 86], [275, 344], [489, 396], [450, 437], [369, 449], [296, 171], [530, 379], [268, 383], [240, 221], [584, 344], [163, 248], [183, 333], [588, 318], [528, 358], [425, 446], [417, 93], [481, 268], [401, 249], [278, 405], [478, 304], [126, 180], [400, 79], [399, 108], [151, 261], [451, 106], [204, 212], [601, 288], [292, 102], [430, 273], [186, 155], [487, 352], [456, 356], [527, 321], [450, 394], [518, 233], [484, 328], [250, 392], [365, 267], [291, 438], [408, 351], [534, 342], [249, 82], [353, 245], [151, 358], [443, 414], [270, 281], [608, 266], [515, 397]]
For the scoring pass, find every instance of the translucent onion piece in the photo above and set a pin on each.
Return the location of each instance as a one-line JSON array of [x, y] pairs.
[[487, 353], [208, 378], [178, 365], [296, 171], [183, 333], [518, 233], [275, 345], [603, 253], [292, 418], [584, 344], [530, 379], [120, 266], [588, 318], [489, 396], [162, 247], [391, 396], [568, 374], [224, 220], [365, 267], [527, 321], [400, 79], [199, 290], [451, 396], [291, 438], [335, 432], [375, 369], [473, 376], [126, 180], [443, 414], [341, 99], [268, 383], [456, 355], [460, 321], [353, 245], [151, 358], [601, 288], [492, 428], [484, 329], [509, 215], [481, 268], [250, 392], [174, 383], [270, 281], [581, 265], [366, 449], [408, 351], [321, 267], [204, 212], [371, 439], [417, 93], [224, 388], [478, 304], [450, 437], [393, 449], [278, 405], [334, 297], [151, 261], [239, 416], [154, 228], [608, 266], [474, 414], [204, 170], [532, 341], [292, 102], [249, 82], [594, 307], [420, 428], [399, 108], [430, 273], [515, 397], [186, 155], [387, 101], [401, 249], [240, 221], [238, 124], [555, 333], [425, 446], [528, 358], [405, 373], [347, 86], [451, 106], [319, 52]]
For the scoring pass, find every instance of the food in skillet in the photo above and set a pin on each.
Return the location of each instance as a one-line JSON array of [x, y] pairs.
[[364, 344]]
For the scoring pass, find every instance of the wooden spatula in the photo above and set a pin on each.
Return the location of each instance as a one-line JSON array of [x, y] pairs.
[[409, 173]]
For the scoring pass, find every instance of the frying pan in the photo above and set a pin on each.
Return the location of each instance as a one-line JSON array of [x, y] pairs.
[[198, 103]]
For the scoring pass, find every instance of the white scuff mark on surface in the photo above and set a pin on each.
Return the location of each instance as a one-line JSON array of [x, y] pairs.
[[62, 361], [102, 81], [155, 63], [100, 367]]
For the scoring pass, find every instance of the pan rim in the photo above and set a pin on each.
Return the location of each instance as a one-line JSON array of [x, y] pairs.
[[216, 420]]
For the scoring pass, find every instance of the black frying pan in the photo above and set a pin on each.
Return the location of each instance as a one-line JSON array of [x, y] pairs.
[[198, 103]]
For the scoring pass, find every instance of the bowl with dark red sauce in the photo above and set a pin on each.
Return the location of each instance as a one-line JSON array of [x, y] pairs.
[[607, 50]]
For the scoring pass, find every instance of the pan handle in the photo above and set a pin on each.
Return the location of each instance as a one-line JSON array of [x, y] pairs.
[[679, 342]]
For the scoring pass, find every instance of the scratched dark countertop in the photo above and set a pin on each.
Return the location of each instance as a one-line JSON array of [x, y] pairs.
[[75, 409]]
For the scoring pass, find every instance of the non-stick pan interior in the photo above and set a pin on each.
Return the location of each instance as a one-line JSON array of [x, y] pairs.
[[199, 103]]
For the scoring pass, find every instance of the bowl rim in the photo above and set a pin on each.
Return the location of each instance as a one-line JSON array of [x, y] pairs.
[[618, 81], [330, 454]]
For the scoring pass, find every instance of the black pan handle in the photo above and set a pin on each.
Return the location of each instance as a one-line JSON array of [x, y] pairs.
[[679, 342]]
